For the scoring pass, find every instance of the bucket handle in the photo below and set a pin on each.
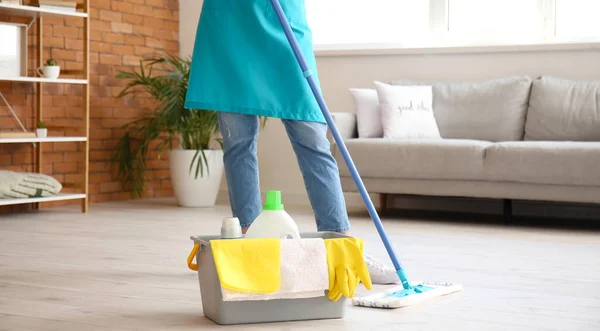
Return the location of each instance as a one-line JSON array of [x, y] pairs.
[[190, 259]]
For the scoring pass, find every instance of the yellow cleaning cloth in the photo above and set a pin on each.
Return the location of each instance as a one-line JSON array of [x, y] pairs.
[[248, 265], [347, 267]]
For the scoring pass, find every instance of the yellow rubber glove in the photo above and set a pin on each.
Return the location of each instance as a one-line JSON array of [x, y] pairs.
[[347, 267]]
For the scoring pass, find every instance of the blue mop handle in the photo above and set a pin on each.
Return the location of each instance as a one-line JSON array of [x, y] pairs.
[[361, 187]]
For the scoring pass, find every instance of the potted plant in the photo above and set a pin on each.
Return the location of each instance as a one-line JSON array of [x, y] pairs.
[[41, 131], [51, 69], [190, 136]]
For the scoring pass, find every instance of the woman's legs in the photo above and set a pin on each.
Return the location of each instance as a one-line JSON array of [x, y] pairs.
[[318, 167], [320, 173], [319, 170], [240, 134], [322, 180]]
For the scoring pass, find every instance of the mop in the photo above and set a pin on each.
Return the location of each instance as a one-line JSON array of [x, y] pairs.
[[400, 296]]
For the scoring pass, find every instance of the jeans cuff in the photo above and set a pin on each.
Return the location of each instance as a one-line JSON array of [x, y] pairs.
[[340, 230]]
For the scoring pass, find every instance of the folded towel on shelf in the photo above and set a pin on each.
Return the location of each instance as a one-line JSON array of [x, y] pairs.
[[22, 185], [248, 265], [304, 272]]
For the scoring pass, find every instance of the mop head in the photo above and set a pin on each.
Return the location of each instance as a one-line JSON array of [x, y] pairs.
[[398, 296]]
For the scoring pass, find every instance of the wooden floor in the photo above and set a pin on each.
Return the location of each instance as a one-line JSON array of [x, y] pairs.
[[122, 267]]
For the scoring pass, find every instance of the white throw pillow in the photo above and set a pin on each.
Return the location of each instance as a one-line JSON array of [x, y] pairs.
[[407, 112], [368, 115]]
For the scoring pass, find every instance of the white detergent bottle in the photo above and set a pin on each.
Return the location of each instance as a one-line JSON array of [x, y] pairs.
[[273, 222]]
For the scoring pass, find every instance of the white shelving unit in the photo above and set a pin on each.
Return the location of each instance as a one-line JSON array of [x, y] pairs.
[[59, 197], [44, 80], [41, 140], [38, 14]]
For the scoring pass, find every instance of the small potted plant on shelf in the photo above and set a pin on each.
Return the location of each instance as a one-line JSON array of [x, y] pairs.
[[41, 131], [51, 69]]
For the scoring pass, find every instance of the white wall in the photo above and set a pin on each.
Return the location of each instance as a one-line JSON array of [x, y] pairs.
[[279, 170], [189, 12], [338, 73]]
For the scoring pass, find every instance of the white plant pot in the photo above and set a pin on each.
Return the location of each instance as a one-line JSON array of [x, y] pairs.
[[51, 72], [195, 192], [41, 133]]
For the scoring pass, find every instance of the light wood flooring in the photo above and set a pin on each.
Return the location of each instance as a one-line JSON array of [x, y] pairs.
[[122, 267]]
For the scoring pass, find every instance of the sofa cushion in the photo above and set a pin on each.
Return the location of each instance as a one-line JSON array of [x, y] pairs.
[[493, 110], [561, 109], [368, 113], [345, 122], [429, 159], [406, 112], [544, 162]]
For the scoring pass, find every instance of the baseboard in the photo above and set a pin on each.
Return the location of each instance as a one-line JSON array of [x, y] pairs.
[[353, 200], [223, 197]]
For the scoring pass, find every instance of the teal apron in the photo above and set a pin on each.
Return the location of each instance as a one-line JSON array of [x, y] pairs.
[[243, 63]]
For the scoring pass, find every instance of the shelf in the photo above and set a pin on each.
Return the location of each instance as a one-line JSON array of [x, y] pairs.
[[41, 140], [59, 197], [31, 11], [44, 80], [77, 77]]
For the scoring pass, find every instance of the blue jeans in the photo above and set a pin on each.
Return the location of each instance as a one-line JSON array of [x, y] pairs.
[[318, 167]]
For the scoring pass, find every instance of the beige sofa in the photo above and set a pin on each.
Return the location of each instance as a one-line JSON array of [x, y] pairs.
[[509, 138]]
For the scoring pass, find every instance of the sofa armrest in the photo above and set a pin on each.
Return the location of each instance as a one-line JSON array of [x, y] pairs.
[[346, 125]]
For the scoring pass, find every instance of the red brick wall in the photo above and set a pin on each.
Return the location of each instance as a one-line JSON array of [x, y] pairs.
[[122, 31]]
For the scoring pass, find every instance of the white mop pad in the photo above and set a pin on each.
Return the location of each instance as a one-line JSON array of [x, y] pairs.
[[387, 299]]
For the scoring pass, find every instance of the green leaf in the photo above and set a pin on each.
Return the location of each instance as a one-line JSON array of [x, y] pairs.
[[165, 79]]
